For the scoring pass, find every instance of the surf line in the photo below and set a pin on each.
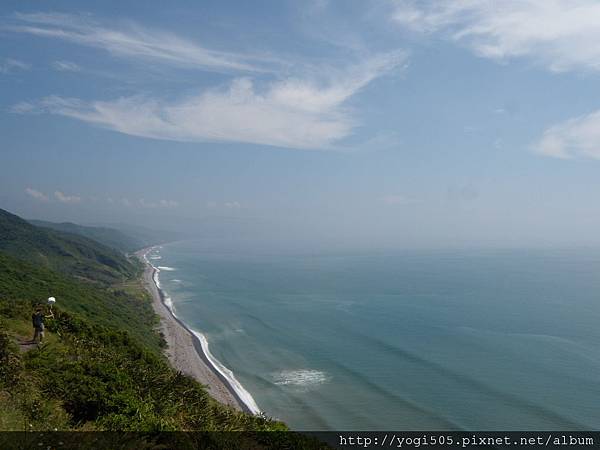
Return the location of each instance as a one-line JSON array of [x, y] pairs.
[[226, 375]]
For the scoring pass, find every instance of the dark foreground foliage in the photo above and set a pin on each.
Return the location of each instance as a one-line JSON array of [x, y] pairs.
[[222, 440]]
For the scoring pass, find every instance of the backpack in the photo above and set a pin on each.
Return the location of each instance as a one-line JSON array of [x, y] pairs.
[[37, 319]]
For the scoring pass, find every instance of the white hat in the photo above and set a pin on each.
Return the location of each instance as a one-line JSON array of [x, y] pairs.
[[51, 300]]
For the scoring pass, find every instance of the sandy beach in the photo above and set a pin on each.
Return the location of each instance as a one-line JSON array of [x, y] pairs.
[[184, 349]]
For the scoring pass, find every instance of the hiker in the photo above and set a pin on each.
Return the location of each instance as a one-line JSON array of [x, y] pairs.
[[37, 320]]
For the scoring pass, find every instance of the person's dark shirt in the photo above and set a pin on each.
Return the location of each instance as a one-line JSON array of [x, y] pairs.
[[37, 319]]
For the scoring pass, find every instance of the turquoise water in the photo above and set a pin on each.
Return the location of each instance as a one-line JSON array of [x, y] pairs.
[[407, 340]]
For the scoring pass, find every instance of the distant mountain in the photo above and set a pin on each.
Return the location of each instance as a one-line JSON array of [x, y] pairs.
[[68, 253], [110, 237], [144, 237]]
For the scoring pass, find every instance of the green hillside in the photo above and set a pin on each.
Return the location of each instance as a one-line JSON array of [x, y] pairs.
[[123, 307], [110, 237], [65, 252]]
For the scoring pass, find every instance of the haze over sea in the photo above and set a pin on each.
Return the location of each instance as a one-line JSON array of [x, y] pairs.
[[505, 339]]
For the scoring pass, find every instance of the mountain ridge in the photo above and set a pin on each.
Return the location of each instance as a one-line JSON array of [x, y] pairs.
[[68, 253]]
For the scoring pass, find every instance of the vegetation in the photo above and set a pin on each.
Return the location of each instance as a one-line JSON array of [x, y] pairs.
[[123, 307], [101, 365], [110, 237], [68, 253]]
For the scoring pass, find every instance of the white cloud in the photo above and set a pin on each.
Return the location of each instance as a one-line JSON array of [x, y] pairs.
[[25, 108], [36, 194], [63, 198], [66, 66], [578, 137], [158, 204], [10, 65], [130, 41], [228, 205], [560, 34], [294, 113]]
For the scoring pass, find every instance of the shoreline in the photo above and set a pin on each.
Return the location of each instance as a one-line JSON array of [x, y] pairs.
[[187, 350]]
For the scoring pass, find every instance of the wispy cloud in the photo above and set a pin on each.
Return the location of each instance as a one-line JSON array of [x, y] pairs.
[[36, 194], [64, 198], [158, 204], [574, 138], [66, 66], [560, 34], [25, 108], [8, 65], [130, 41], [58, 195], [304, 113], [234, 204]]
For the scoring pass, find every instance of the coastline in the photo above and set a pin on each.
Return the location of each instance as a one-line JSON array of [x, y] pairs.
[[187, 350]]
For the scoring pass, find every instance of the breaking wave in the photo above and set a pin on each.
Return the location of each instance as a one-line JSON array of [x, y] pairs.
[[302, 377]]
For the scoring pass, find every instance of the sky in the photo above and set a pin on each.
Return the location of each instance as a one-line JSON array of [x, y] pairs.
[[373, 124]]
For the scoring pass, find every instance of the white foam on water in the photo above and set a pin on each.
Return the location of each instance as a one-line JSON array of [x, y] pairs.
[[176, 280], [242, 393], [155, 278], [302, 378], [156, 257], [169, 304]]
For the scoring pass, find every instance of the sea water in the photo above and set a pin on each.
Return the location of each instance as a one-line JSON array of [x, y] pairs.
[[416, 340]]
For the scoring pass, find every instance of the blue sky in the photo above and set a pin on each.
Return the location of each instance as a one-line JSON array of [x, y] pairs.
[[371, 123]]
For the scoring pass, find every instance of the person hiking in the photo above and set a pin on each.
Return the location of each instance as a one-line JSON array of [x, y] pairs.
[[37, 320]]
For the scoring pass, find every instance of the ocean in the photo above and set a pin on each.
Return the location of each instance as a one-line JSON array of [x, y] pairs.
[[413, 340]]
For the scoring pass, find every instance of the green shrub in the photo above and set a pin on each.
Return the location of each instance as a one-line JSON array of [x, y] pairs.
[[10, 362]]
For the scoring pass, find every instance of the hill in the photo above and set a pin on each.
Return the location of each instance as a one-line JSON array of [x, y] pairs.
[[68, 253], [144, 236], [109, 237], [118, 307]]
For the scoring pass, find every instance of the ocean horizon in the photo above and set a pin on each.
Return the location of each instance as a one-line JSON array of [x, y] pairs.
[[413, 340]]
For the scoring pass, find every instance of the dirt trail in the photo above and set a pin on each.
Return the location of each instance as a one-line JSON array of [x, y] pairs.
[[25, 344]]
